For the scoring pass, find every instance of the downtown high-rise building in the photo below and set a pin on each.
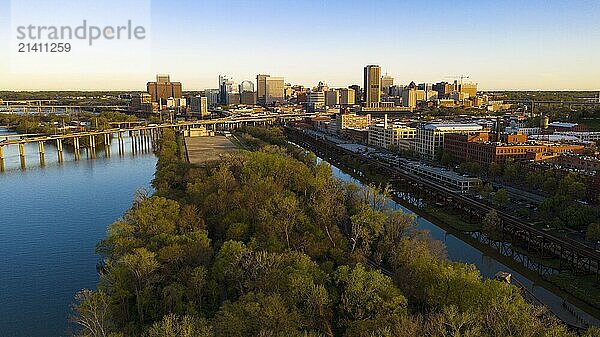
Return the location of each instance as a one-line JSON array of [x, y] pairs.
[[198, 105], [270, 90], [386, 83], [226, 87], [163, 89], [347, 96], [372, 86], [246, 86]]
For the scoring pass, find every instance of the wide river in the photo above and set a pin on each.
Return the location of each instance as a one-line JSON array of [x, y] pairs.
[[52, 217], [50, 221]]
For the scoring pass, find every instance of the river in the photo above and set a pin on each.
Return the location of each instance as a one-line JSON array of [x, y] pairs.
[[559, 302], [52, 218], [50, 221]]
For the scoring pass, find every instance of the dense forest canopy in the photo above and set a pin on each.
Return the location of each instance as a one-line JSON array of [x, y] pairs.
[[268, 243]]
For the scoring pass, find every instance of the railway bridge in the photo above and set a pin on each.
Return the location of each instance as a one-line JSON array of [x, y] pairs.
[[572, 255]]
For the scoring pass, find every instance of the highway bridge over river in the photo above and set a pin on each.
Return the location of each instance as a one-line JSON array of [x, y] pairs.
[[142, 136], [51, 106]]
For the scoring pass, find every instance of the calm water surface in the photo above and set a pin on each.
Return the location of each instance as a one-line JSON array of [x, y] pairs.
[[50, 221], [461, 251], [52, 217]]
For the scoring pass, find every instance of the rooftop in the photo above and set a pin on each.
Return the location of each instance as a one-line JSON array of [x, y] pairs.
[[563, 124], [453, 127]]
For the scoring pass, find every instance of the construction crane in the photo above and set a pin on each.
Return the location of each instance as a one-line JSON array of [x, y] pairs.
[[462, 77]]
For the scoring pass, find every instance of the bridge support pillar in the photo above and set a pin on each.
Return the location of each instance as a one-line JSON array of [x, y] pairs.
[[133, 144], [77, 148], [1, 159], [107, 144], [92, 146], [143, 140], [120, 141], [59, 148], [42, 152], [22, 155]]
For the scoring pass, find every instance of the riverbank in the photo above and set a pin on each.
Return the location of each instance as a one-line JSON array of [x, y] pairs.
[[365, 174], [273, 243]]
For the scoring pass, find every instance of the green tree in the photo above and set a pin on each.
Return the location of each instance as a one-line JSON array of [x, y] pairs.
[[174, 326], [141, 264], [92, 313], [593, 232], [368, 299], [572, 186], [577, 216], [257, 314], [491, 225], [367, 225], [500, 198]]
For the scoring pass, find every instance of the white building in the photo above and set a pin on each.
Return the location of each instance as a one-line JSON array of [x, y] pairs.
[[584, 136], [525, 131], [176, 103], [316, 98], [429, 138], [388, 135]]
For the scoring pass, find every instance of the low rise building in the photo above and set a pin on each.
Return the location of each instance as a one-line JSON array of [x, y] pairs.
[[429, 138], [579, 162], [352, 121], [566, 127], [458, 182], [478, 148], [389, 135], [584, 136]]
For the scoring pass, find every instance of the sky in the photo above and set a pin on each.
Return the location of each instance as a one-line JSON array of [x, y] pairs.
[[501, 45]]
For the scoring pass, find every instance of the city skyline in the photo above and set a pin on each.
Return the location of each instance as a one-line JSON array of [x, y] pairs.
[[534, 45]]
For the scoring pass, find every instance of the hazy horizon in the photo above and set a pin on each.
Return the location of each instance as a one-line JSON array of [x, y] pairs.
[[513, 45]]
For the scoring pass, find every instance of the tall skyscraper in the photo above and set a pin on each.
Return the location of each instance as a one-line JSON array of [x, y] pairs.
[[246, 86], [332, 98], [212, 96], [163, 89], [261, 88], [198, 105], [386, 83], [347, 97], [358, 93], [163, 78], [270, 89], [372, 77], [226, 86]]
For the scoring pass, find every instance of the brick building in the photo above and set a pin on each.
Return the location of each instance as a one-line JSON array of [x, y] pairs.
[[478, 148]]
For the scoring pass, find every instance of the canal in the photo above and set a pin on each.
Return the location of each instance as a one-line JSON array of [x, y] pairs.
[[50, 221], [487, 261], [52, 218]]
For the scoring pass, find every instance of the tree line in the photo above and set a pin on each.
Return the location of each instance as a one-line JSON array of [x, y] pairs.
[[268, 243]]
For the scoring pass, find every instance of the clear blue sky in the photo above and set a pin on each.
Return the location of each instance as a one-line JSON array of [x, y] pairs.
[[526, 44]]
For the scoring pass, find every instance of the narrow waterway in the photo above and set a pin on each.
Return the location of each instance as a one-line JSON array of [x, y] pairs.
[[53, 216], [458, 250], [50, 221]]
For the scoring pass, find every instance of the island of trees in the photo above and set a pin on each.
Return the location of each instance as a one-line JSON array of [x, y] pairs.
[[268, 243]]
